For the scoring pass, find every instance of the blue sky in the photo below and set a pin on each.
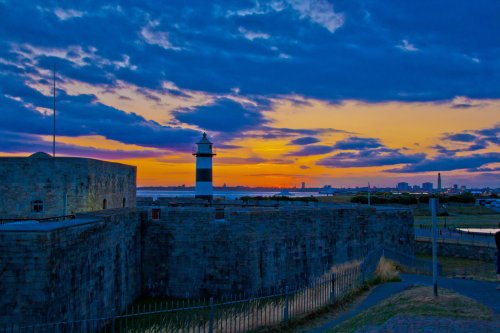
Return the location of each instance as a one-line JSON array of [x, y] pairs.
[[139, 80]]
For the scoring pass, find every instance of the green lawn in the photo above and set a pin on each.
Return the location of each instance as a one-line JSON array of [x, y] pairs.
[[417, 301]]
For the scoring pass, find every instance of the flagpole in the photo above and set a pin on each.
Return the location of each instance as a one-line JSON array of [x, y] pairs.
[[54, 113]]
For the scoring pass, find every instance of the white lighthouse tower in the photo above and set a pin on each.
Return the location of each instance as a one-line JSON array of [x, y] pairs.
[[204, 154]]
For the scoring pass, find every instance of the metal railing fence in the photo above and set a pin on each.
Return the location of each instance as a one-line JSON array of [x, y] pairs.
[[455, 236]]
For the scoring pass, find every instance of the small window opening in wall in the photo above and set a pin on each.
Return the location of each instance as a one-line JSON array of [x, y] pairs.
[[124, 202], [219, 214], [155, 214], [104, 204], [37, 206]]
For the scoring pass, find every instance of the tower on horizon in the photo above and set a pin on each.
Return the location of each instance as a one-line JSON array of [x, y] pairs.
[[439, 183], [204, 154]]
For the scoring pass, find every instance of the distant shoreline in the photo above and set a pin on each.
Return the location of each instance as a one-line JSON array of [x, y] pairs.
[[221, 188]]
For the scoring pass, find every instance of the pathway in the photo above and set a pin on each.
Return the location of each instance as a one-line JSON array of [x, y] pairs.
[[483, 292]]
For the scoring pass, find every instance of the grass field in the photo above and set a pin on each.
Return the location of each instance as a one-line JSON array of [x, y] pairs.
[[421, 302], [460, 215], [461, 220], [465, 268], [423, 210], [336, 198]]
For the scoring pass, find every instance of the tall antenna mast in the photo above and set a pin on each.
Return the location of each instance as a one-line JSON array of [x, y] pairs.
[[54, 133]]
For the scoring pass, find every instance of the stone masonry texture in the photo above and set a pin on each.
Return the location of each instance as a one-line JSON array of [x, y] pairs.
[[190, 253], [82, 183], [98, 268], [70, 273]]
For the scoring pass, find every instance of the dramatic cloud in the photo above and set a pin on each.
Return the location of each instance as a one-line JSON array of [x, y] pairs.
[[307, 140], [448, 163], [224, 115], [357, 143], [475, 140], [221, 65], [370, 158], [14, 142], [461, 137], [82, 115], [152, 36], [320, 12], [250, 160], [193, 45], [311, 150]]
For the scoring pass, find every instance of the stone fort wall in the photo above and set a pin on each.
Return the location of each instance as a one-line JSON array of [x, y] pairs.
[[100, 262], [65, 185], [188, 252], [60, 271]]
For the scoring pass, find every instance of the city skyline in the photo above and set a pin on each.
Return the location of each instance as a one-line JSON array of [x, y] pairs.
[[323, 92]]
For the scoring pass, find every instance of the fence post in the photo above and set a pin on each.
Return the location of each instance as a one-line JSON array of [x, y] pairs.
[[332, 290], [285, 310], [211, 322]]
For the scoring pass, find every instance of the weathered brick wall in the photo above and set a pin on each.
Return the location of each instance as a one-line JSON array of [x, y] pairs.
[[70, 272], [188, 252], [83, 182]]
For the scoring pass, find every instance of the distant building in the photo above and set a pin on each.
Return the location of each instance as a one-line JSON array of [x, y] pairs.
[[415, 188], [403, 186], [303, 185], [439, 183], [455, 186], [41, 186], [427, 186]]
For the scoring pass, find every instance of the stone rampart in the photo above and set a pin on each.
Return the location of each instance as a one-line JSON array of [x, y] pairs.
[[197, 252], [83, 268], [99, 263]]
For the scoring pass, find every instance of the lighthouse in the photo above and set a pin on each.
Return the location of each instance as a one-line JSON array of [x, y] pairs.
[[204, 154]]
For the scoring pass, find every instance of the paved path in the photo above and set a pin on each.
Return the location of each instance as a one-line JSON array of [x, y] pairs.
[[483, 292], [410, 324]]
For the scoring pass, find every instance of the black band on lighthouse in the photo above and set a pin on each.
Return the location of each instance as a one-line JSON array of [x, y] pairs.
[[203, 175]]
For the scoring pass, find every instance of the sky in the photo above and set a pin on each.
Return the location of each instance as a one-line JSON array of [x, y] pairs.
[[338, 92]]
